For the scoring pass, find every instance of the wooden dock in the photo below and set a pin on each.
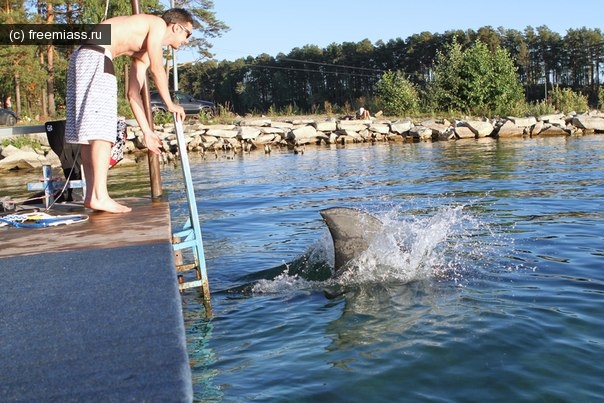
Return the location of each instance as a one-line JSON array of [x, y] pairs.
[[91, 311]]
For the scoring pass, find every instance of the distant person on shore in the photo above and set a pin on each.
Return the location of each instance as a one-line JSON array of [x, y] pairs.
[[363, 114], [8, 103], [92, 92]]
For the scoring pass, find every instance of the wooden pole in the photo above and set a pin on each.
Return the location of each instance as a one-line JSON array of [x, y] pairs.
[[154, 171]]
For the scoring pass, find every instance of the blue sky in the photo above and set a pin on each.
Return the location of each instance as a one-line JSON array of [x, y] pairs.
[[274, 26]]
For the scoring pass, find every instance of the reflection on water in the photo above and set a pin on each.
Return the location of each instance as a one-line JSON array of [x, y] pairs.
[[123, 181], [483, 283], [486, 281]]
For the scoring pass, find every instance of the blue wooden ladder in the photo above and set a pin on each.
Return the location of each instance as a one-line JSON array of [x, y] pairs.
[[190, 236]]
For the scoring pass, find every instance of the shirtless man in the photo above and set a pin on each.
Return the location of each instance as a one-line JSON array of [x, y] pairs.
[[92, 92]]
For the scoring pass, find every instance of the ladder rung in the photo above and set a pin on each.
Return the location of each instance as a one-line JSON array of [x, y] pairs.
[[190, 284], [186, 267], [184, 244]]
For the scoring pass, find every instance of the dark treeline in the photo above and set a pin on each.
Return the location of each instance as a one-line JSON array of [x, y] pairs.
[[306, 80], [309, 79]]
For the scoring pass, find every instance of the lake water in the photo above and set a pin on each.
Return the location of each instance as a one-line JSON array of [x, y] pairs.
[[497, 294], [486, 285]]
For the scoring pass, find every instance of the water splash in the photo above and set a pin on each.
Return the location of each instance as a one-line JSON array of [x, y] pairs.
[[447, 244], [283, 283], [418, 248]]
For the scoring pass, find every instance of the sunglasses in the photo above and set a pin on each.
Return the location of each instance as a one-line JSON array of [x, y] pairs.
[[189, 33]]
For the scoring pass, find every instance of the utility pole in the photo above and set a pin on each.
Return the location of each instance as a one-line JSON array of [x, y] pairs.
[[154, 168]]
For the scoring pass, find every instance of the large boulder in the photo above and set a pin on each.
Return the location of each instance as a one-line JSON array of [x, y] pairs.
[[439, 129], [381, 128], [553, 130], [326, 126], [510, 129], [352, 125], [223, 133], [586, 122], [248, 133], [421, 133], [255, 122], [26, 159], [523, 122], [536, 129], [401, 127], [302, 134], [8, 151], [464, 132], [480, 128]]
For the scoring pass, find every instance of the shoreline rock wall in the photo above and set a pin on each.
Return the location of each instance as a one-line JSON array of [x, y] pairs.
[[264, 134]]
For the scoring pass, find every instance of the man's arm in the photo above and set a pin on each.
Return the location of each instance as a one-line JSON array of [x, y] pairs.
[[154, 48], [137, 78]]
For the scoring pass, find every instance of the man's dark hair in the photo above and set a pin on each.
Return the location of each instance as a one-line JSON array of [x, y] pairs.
[[177, 16]]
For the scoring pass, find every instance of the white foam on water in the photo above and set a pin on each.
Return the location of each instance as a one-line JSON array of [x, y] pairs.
[[443, 245], [281, 284], [416, 248]]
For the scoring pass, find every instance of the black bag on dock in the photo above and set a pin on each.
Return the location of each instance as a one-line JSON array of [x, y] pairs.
[[67, 152]]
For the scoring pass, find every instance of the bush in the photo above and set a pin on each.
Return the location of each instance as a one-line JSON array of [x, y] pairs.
[[565, 100], [124, 109], [21, 142], [205, 118], [539, 108], [396, 96], [162, 117]]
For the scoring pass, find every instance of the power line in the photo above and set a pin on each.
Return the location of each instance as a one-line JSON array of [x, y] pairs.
[[324, 72], [310, 70], [330, 64]]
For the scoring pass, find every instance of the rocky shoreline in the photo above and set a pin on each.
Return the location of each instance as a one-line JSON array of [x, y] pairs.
[[295, 134]]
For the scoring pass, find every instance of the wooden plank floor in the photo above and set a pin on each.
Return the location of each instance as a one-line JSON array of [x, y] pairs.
[[148, 222]]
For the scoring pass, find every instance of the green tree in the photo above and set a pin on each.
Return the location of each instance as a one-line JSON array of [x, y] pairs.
[[475, 80], [396, 95], [549, 49], [514, 42], [21, 74], [445, 91], [489, 37], [506, 91]]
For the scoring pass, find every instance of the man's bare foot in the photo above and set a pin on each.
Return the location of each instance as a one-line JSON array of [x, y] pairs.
[[109, 205]]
